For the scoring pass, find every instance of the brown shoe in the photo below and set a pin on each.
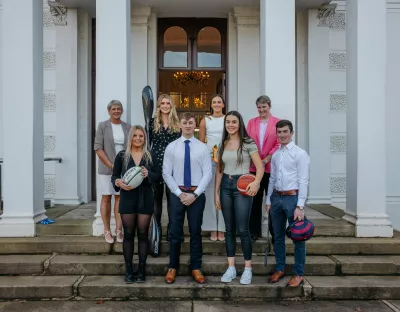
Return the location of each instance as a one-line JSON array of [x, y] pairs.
[[276, 277], [170, 277], [198, 276], [296, 281]]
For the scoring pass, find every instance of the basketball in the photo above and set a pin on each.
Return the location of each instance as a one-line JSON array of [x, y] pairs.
[[133, 176], [244, 181]]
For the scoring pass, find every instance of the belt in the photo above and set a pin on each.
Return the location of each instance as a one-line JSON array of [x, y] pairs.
[[232, 176], [191, 189], [286, 193]]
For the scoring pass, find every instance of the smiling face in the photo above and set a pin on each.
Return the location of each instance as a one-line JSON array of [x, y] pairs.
[[138, 138], [232, 124], [115, 111], [187, 126], [217, 104], [165, 106], [263, 110], [284, 135]]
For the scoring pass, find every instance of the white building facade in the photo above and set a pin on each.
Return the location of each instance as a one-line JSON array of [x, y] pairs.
[[331, 67]]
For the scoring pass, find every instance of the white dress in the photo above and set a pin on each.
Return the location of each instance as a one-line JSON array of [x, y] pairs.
[[213, 219], [105, 184]]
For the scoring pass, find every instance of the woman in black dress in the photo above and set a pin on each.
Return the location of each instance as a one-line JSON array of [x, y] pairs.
[[164, 128], [137, 204]]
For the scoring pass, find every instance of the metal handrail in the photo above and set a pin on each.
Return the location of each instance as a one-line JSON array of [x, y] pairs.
[[58, 159]]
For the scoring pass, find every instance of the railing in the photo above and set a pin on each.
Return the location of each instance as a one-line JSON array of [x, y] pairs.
[[58, 159]]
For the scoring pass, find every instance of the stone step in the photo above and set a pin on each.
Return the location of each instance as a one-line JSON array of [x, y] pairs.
[[97, 245], [113, 287], [212, 265]]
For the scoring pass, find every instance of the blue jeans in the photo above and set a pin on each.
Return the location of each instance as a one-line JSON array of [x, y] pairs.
[[282, 209], [236, 209]]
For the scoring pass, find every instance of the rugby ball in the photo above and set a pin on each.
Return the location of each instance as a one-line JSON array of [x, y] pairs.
[[133, 176]]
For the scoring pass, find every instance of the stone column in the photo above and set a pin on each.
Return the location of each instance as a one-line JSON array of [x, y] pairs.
[[366, 136], [22, 98], [278, 56], [113, 66], [139, 57], [318, 112], [67, 191], [248, 67]]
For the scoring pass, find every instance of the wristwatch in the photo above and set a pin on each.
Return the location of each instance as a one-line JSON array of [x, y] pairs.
[[300, 207], [195, 195]]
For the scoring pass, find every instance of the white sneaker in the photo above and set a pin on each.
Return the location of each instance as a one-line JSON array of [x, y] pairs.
[[246, 276], [229, 275]]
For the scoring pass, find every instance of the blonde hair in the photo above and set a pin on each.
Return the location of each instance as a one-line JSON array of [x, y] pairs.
[[173, 120], [146, 153]]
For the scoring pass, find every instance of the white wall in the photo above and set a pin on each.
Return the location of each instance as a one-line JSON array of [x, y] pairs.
[[392, 115], [1, 85]]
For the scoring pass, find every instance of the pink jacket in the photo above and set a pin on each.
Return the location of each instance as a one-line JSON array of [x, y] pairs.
[[271, 143]]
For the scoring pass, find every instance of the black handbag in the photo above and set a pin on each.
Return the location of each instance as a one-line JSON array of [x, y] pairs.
[[154, 238]]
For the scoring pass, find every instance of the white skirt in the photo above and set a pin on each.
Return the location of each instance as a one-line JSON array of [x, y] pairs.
[[105, 185]]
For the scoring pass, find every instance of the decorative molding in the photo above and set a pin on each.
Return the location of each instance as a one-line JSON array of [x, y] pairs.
[[246, 16], [338, 185], [49, 185], [140, 15], [49, 101], [338, 102], [49, 143], [337, 60], [336, 20], [338, 144], [59, 12], [326, 11], [49, 60], [48, 19]]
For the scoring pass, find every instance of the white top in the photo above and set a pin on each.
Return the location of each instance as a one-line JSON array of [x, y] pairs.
[[289, 171], [119, 137], [214, 130], [200, 165], [263, 131]]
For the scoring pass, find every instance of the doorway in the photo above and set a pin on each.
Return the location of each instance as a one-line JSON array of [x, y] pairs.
[[192, 62]]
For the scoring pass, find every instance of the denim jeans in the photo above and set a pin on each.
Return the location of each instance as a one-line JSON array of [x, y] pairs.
[[282, 209], [236, 209]]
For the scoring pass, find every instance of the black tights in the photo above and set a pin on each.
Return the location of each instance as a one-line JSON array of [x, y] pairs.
[[133, 223]]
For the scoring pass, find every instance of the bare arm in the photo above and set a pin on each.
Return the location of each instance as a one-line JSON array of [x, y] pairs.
[[202, 130], [253, 187]]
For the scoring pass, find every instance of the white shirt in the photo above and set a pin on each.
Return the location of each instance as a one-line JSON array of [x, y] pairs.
[[289, 171], [200, 165], [118, 135], [263, 130]]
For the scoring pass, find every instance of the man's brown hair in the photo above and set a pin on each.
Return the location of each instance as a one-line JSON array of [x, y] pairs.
[[186, 116]]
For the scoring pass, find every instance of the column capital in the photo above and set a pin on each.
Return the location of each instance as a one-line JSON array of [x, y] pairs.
[[140, 15], [59, 12], [246, 16]]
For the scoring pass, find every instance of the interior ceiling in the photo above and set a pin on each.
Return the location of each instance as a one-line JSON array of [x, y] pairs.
[[190, 8]]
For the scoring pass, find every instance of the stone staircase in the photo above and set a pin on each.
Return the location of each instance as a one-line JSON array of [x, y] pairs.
[[58, 265]]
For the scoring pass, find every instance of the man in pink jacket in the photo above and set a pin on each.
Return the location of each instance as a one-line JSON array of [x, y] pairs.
[[262, 130]]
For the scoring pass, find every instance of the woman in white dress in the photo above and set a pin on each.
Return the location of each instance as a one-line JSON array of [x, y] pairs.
[[211, 129], [111, 138]]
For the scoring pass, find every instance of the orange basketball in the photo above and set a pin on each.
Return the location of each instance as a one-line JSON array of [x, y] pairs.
[[244, 181]]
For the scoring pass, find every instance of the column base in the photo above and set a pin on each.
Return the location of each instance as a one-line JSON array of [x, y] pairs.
[[73, 201], [371, 225], [20, 226], [98, 226]]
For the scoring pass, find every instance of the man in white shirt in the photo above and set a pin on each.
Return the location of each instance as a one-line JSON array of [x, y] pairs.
[[187, 172], [287, 193]]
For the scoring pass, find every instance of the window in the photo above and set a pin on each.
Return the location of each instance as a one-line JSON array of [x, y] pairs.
[[175, 47], [209, 48]]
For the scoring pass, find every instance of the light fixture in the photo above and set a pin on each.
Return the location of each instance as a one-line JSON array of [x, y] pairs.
[[193, 77]]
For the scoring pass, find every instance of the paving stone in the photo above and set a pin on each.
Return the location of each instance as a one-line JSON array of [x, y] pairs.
[[94, 287], [66, 227], [22, 264], [369, 265], [36, 287], [355, 287]]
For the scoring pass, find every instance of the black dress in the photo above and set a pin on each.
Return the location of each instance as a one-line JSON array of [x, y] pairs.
[[159, 142], [140, 199]]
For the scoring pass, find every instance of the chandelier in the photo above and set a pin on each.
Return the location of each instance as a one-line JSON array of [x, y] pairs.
[[193, 77]]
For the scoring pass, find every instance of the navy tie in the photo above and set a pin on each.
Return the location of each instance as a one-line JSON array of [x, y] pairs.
[[187, 176]]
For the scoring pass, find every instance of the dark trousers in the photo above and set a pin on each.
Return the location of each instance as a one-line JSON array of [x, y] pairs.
[[176, 236], [158, 188], [236, 210], [258, 206]]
